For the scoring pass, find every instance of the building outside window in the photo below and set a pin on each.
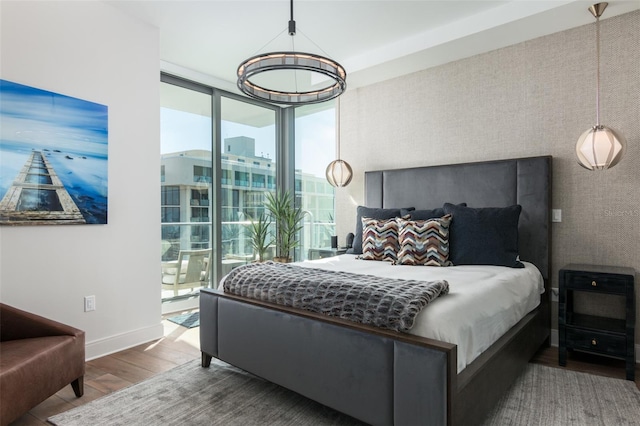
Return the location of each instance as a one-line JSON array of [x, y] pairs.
[[186, 181]]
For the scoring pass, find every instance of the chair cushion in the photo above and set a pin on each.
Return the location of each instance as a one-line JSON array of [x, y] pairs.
[[171, 278]]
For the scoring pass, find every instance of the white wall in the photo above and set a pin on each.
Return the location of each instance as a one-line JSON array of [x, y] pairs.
[[92, 51]]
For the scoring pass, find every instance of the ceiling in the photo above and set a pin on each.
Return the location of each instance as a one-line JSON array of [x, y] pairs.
[[374, 40]]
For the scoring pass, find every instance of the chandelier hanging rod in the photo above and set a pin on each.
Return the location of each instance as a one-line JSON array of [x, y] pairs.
[[292, 23], [291, 61]]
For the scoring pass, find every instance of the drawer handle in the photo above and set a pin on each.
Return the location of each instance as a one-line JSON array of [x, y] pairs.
[[594, 342], [594, 284]]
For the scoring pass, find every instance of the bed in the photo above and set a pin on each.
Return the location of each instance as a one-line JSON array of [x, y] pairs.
[[387, 377]]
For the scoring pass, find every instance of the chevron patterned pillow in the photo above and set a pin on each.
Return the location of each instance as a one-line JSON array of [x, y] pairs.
[[424, 242], [379, 239]]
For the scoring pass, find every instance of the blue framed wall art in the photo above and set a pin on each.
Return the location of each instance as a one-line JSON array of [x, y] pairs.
[[53, 158]]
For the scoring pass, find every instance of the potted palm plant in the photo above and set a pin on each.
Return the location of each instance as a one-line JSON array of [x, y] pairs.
[[288, 220], [260, 236]]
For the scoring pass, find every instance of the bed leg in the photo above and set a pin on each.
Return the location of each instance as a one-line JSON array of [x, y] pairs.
[[206, 360]]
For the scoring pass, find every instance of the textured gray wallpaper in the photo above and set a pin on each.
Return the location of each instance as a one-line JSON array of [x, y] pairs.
[[533, 98]]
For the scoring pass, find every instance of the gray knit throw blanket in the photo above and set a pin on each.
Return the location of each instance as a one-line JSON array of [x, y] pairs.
[[366, 299]]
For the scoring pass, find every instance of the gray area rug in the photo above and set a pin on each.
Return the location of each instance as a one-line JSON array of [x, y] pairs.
[[224, 395], [553, 396]]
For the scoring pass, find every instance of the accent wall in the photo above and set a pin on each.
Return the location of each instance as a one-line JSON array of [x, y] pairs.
[[532, 98]]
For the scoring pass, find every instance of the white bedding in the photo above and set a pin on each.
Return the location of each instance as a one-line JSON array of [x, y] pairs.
[[483, 301]]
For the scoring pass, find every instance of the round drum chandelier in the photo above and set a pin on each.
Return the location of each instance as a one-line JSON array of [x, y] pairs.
[[291, 61]]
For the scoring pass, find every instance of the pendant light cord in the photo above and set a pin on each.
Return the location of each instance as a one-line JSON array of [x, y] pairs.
[[338, 125], [598, 71]]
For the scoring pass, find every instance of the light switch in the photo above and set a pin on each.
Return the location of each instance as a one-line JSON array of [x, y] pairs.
[[556, 215]]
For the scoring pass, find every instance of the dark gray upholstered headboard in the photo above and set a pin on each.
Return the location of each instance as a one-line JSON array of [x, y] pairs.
[[524, 181]]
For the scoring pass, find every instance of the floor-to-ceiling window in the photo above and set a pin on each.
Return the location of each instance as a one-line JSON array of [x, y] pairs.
[[221, 153], [314, 150], [186, 187], [248, 172]]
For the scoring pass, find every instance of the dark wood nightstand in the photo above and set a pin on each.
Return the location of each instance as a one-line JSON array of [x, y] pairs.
[[321, 253], [597, 334]]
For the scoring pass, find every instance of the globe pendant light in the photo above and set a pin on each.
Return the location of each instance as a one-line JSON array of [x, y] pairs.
[[600, 147], [339, 172], [291, 61]]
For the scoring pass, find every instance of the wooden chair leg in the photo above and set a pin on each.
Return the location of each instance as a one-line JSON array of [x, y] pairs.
[[78, 386]]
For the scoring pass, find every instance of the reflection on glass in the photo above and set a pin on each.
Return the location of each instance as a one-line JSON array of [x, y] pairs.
[[186, 189], [248, 172], [315, 149]]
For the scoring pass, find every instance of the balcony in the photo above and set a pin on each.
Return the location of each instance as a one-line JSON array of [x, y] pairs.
[[202, 179], [236, 247]]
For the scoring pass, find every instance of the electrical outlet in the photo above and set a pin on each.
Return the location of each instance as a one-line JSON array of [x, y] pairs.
[[554, 294], [89, 303]]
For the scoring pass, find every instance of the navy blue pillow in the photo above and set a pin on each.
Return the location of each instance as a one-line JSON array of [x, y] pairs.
[[373, 213], [426, 214], [484, 236]]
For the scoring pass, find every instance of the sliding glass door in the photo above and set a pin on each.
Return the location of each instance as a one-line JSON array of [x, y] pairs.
[[248, 172], [186, 189], [314, 150]]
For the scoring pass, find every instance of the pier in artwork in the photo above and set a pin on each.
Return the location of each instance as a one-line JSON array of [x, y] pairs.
[[38, 197]]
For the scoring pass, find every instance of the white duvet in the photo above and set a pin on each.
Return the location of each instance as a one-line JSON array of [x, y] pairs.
[[483, 301]]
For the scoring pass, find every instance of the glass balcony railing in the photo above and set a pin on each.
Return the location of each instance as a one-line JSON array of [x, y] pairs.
[[202, 179], [236, 246]]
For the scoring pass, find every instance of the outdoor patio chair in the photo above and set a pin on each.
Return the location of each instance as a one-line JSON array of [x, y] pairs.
[[190, 271]]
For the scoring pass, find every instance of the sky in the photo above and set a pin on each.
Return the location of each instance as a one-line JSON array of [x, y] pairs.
[[34, 118], [315, 137], [58, 125]]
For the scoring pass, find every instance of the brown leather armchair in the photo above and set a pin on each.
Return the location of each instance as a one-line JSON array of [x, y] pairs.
[[38, 357]]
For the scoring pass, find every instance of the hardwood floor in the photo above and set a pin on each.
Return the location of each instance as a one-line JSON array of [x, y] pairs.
[[179, 345]]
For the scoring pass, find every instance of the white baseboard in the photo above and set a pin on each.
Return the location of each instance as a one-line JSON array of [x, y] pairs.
[[554, 342], [120, 342]]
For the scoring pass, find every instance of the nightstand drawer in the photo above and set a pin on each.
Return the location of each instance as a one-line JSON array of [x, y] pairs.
[[594, 282], [594, 341]]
